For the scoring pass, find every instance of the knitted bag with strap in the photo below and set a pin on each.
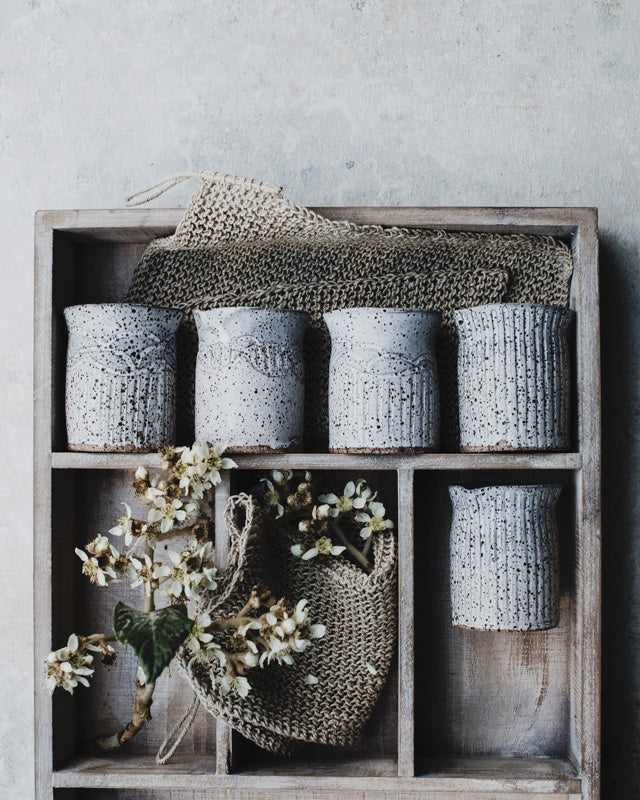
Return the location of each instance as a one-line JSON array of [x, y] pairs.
[[351, 661], [241, 242]]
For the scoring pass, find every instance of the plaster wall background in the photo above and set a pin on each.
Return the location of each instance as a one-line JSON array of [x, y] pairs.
[[439, 102]]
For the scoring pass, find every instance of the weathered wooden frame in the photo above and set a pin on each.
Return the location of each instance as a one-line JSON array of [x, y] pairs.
[[575, 775]]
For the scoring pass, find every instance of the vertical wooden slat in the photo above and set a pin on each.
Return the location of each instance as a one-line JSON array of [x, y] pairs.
[[585, 255], [42, 503], [224, 737], [406, 654]]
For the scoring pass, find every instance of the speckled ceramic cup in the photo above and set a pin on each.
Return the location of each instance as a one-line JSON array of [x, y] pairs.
[[250, 378], [514, 377], [383, 380], [504, 558], [120, 381]]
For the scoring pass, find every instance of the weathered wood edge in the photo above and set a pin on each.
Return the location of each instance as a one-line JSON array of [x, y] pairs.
[[429, 461], [588, 501], [43, 720], [456, 219], [224, 734], [153, 222], [406, 633], [513, 787]]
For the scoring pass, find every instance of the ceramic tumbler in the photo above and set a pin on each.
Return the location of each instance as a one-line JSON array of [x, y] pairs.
[[514, 377], [120, 380], [250, 378], [383, 380], [504, 558]]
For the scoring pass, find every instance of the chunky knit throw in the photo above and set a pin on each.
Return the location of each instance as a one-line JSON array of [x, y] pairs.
[[242, 242], [351, 661]]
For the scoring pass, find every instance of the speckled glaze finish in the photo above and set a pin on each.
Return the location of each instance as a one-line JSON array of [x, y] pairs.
[[514, 377], [250, 378], [383, 380], [504, 558], [120, 381]]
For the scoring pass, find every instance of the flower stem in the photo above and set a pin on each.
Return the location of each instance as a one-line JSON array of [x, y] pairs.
[[353, 551]]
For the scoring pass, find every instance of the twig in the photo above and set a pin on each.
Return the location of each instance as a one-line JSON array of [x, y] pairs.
[[351, 549]]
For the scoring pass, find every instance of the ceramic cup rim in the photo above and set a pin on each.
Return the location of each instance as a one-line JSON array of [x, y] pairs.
[[266, 309], [490, 306], [506, 486], [425, 312], [123, 306]]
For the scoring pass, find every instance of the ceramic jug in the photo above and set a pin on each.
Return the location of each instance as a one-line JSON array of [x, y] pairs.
[[383, 380], [504, 557], [514, 377], [120, 380], [250, 378]]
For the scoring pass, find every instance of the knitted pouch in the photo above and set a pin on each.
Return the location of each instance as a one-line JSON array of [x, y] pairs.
[[241, 242], [351, 661]]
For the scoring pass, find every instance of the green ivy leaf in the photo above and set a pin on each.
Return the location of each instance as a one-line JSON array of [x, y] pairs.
[[154, 637]]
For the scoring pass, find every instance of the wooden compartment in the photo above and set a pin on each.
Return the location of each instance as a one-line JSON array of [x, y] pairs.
[[465, 713]]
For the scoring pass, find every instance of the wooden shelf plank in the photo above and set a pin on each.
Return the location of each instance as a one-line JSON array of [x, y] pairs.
[[513, 777], [406, 634], [335, 461]]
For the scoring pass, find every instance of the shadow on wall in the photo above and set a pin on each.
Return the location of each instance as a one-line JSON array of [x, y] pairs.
[[620, 321]]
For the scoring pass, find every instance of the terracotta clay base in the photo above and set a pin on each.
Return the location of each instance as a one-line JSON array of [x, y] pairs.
[[504, 630], [92, 448], [380, 450], [503, 447], [263, 448]]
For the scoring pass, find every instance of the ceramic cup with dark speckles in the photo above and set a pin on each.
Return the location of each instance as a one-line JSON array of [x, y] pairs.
[[504, 558], [514, 377], [383, 380], [250, 378], [120, 382]]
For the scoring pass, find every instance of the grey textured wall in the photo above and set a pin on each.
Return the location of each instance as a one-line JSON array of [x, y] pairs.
[[439, 102]]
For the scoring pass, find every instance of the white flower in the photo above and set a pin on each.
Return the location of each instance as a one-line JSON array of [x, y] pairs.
[[271, 498], [68, 666], [101, 546], [310, 680], [167, 514], [375, 521], [297, 550], [281, 477], [323, 547], [141, 474], [235, 683], [363, 494], [148, 572], [199, 635], [193, 572], [98, 570], [344, 503], [125, 523]]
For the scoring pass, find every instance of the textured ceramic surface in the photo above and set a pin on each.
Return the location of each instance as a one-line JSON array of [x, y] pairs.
[[250, 378], [383, 380], [514, 377], [120, 382], [504, 557]]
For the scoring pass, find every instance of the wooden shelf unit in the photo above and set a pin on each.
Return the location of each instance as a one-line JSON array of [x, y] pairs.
[[488, 716]]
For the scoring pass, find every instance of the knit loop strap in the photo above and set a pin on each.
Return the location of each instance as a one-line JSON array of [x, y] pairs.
[[158, 189], [179, 731]]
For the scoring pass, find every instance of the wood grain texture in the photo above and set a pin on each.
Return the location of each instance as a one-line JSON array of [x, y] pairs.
[[487, 694], [406, 616], [534, 694], [334, 461]]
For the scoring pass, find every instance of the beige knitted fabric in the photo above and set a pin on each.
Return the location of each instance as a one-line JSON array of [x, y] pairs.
[[360, 614], [241, 242]]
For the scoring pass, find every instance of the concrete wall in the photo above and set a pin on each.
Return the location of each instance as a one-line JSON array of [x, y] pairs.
[[439, 102]]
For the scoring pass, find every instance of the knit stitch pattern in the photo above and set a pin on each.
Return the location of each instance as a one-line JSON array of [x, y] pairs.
[[351, 661], [241, 242]]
